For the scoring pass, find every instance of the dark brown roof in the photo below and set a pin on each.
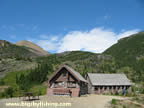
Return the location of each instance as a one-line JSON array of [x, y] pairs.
[[72, 71]]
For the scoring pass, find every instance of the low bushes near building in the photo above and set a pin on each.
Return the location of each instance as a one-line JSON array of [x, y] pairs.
[[8, 93], [123, 104], [139, 99], [114, 102], [39, 89]]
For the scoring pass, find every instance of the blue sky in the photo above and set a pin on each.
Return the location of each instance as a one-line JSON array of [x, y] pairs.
[[62, 25]]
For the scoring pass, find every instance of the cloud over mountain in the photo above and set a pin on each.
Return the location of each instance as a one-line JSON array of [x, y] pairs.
[[95, 40]]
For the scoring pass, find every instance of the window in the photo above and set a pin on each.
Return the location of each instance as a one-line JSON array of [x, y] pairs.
[[96, 88], [110, 87], [71, 84], [122, 87], [114, 87], [64, 74], [105, 88], [101, 87], [74, 84], [118, 87], [57, 84]]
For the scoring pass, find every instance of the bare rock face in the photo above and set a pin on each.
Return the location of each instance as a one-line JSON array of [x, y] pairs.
[[3, 43], [33, 47]]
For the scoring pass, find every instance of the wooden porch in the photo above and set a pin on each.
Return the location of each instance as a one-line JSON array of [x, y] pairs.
[[63, 91]]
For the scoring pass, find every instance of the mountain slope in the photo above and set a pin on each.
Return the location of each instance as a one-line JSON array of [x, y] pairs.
[[14, 58], [82, 62], [129, 49], [9, 50], [129, 52], [33, 47]]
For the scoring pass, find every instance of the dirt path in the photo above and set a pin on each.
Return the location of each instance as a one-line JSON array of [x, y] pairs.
[[90, 101]]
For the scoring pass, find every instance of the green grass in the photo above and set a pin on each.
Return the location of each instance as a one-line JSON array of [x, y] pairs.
[[10, 81], [10, 78], [39, 89], [123, 104]]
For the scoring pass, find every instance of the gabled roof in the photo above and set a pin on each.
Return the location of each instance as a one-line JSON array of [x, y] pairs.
[[75, 73], [72, 71], [108, 79]]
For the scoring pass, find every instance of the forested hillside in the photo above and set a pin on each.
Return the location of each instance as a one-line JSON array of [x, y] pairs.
[[15, 58], [129, 55]]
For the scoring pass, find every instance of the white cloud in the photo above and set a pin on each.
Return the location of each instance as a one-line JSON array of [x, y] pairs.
[[47, 45], [127, 33], [50, 44], [96, 40]]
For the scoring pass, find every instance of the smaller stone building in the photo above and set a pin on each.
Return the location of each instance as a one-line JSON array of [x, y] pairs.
[[107, 83], [66, 81]]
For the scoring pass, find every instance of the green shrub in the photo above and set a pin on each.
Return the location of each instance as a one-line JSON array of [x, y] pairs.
[[142, 91], [39, 93], [124, 106], [2, 82], [9, 92], [114, 101]]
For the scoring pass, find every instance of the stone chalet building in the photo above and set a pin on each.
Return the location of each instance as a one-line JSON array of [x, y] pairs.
[[107, 83], [66, 81]]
